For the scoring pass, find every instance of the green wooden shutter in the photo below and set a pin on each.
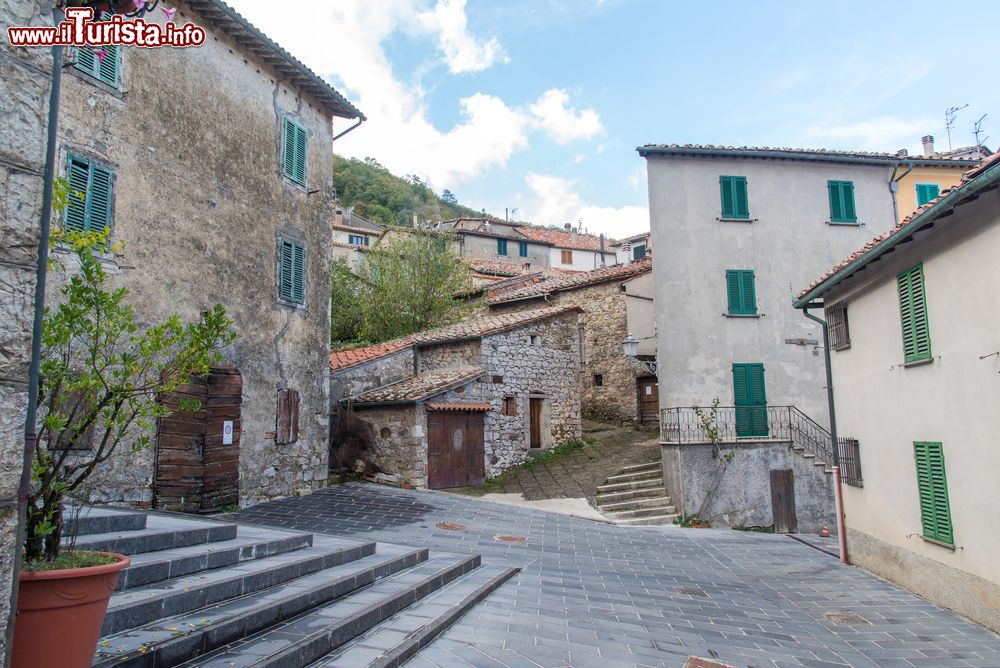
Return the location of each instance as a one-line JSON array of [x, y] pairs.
[[285, 268], [913, 315], [108, 68], [501, 246], [847, 190], [298, 273], [522, 248], [726, 191], [740, 192], [926, 192], [86, 61], [733, 191], [750, 400], [79, 185], [289, 150], [836, 203], [99, 199], [295, 156], [741, 292], [932, 483], [842, 202]]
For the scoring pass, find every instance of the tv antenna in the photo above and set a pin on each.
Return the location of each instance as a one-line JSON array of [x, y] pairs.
[[949, 120], [977, 129]]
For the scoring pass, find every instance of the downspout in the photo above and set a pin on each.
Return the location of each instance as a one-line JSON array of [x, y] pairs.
[[360, 121], [41, 269], [894, 187], [837, 488]]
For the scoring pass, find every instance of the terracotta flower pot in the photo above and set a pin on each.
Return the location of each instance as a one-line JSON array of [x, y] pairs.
[[60, 613]]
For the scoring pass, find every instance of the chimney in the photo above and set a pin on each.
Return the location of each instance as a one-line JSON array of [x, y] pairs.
[[928, 141], [601, 238], [627, 250], [338, 217], [568, 226]]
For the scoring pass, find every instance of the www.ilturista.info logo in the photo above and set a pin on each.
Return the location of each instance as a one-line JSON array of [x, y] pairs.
[[80, 29]]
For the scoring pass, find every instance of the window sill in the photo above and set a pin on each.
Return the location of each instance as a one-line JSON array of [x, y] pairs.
[[115, 91], [935, 541], [845, 223], [736, 220], [742, 315], [288, 304], [907, 365], [291, 183], [846, 346]]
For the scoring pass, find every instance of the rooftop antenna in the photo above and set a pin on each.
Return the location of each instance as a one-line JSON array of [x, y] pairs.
[[949, 120], [977, 129]]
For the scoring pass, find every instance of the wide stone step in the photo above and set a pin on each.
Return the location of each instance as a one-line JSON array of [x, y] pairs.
[[92, 519], [175, 639], [318, 632], [630, 495], [140, 606], [637, 468], [657, 520], [634, 504], [161, 533], [655, 511], [249, 543], [625, 486], [633, 477], [400, 637]]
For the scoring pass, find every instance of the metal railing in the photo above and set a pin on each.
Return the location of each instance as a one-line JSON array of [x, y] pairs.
[[850, 462], [755, 423]]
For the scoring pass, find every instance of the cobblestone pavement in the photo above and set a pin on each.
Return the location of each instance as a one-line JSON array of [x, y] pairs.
[[577, 474], [596, 595]]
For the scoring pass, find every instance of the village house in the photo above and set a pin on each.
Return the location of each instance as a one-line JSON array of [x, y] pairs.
[[353, 235], [613, 387], [918, 182], [452, 406], [211, 167], [635, 247], [492, 239], [570, 248], [913, 318]]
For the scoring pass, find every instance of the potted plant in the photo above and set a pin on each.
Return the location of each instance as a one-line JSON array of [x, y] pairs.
[[104, 380]]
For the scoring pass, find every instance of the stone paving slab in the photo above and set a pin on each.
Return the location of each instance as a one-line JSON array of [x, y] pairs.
[[599, 595]]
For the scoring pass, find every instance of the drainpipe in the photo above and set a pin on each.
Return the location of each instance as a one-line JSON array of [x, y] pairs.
[[360, 121], [837, 488], [894, 187]]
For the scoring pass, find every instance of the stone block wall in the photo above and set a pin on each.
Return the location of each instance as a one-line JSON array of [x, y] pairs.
[[399, 440], [370, 375], [449, 355]]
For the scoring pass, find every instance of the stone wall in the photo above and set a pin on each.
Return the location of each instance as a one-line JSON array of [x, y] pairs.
[[25, 80], [399, 440], [449, 356], [370, 375], [194, 140]]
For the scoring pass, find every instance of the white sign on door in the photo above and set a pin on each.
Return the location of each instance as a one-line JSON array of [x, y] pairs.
[[227, 432]]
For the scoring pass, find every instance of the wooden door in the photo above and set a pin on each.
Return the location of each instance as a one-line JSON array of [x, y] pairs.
[[223, 428], [456, 453], [535, 419], [783, 501], [649, 398], [750, 400]]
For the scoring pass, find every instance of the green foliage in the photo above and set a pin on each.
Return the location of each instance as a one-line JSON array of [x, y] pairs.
[[558, 451], [69, 559], [692, 521], [406, 284], [380, 196], [740, 527], [710, 427], [104, 379]]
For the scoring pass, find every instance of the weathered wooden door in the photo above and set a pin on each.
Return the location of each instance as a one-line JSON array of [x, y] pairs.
[[649, 398], [535, 420], [750, 400], [783, 501], [456, 455], [198, 453]]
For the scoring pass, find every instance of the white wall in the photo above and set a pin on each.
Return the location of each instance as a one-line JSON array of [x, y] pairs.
[[640, 312], [583, 260], [788, 245]]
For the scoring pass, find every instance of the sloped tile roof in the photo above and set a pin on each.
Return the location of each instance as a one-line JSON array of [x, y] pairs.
[[799, 153], [563, 239], [495, 267], [490, 227], [421, 386], [455, 406], [993, 162], [344, 359], [544, 283]]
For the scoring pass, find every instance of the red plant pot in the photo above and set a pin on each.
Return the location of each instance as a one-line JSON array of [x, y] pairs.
[[60, 613]]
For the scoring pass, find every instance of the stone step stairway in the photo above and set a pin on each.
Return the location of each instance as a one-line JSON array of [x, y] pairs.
[[636, 496], [206, 593]]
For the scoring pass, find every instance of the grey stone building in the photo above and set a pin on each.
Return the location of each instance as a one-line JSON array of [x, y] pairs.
[[490, 239], [212, 167], [454, 405], [612, 387], [353, 235]]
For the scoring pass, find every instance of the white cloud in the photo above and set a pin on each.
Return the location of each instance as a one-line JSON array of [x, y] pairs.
[[462, 51], [556, 202], [562, 123], [883, 133]]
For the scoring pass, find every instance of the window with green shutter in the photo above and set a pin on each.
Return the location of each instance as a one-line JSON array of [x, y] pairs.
[[291, 271], [501, 246], [295, 154], [101, 62], [735, 204], [913, 315], [88, 207], [750, 400], [926, 192], [522, 249], [741, 292], [842, 202], [932, 483]]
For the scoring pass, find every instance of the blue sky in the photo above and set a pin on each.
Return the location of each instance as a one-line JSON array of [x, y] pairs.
[[540, 105]]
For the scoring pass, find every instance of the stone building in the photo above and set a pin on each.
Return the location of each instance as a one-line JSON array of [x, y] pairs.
[[571, 248], [611, 385], [454, 405], [491, 239], [353, 235], [25, 81], [212, 167]]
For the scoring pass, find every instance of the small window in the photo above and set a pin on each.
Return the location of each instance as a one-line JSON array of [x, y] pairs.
[[913, 315], [926, 192], [522, 249], [101, 62], [837, 324], [741, 292], [566, 257], [501, 246], [295, 158], [460, 390], [639, 252], [291, 271], [357, 240], [735, 204], [598, 380], [287, 423], [92, 213], [509, 406], [842, 202], [932, 485], [497, 380]]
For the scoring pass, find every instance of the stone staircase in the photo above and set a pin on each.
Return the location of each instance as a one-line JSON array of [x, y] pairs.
[[636, 496], [206, 593]]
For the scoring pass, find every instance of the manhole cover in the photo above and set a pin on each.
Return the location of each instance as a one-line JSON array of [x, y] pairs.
[[450, 526], [512, 539], [691, 591], [696, 662], [846, 618]]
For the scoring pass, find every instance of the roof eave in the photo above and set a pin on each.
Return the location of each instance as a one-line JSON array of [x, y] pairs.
[[647, 151]]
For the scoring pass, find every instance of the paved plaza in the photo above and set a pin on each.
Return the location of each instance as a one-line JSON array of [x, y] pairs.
[[596, 595]]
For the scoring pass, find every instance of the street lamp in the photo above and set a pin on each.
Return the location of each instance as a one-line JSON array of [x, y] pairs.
[[630, 346]]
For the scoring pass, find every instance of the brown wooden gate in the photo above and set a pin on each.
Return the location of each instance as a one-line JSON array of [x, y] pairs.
[[456, 455], [649, 398], [197, 468], [783, 501], [535, 420]]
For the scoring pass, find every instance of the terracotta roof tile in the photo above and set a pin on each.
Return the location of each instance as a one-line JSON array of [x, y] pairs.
[[563, 239], [800, 152], [495, 267], [545, 283], [421, 386], [344, 359], [458, 406]]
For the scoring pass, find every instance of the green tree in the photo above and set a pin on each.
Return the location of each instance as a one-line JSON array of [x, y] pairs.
[[448, 197], [347, 321]]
